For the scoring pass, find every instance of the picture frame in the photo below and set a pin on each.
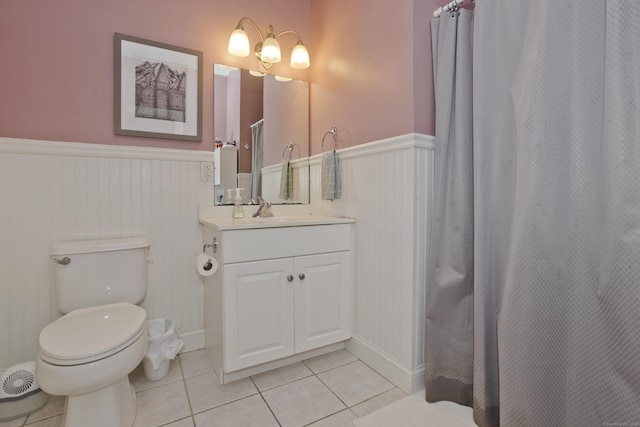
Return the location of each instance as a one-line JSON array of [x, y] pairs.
[[157, 89]]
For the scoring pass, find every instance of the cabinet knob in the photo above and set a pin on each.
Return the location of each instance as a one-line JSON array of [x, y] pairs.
[[301, 276], [289, 278]]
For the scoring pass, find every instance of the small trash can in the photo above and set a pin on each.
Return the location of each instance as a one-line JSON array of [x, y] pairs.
[[163, 344]]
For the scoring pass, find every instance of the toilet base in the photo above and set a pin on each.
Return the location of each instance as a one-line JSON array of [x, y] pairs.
[[110, 406]]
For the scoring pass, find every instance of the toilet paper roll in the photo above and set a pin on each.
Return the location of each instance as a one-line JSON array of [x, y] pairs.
[[206, 265]]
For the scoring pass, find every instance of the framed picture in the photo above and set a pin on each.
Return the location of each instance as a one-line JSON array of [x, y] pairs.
[[158, 90]]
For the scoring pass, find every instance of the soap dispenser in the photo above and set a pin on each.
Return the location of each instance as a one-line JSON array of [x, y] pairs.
[[229, 199], [238, 211]]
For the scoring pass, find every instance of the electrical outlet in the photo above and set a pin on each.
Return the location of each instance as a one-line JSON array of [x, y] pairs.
[[206, 171]]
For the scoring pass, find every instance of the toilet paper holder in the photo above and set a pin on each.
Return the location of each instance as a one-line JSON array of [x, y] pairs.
[[213, 245]]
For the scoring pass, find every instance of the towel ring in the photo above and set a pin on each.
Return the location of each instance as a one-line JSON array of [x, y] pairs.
[[334, 134], [290, 146]]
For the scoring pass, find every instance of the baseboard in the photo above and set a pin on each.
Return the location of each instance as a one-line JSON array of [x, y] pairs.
[[406, 380], [193, 340]]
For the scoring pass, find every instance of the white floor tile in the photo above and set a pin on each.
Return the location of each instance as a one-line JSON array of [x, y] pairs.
[[355, 382], [48, 422], [281, 376], [384, 399], [329, 361], [250, 411], [162, 405], [185, 422], [341, 419], [302, 402], [206, 392], [195, 363], [54, 406], [13, 423]]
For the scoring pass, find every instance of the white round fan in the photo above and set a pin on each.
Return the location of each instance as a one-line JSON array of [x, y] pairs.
[[20, 394]]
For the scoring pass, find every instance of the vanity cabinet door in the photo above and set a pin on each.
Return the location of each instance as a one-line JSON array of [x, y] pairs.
[[322, 300], [258, 312]]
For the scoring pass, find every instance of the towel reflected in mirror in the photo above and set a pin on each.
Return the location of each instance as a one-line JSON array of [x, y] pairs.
[[286, 181]]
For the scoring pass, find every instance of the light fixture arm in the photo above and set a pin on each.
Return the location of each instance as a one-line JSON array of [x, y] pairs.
[[269, 29], [282, 33], [253, 24]]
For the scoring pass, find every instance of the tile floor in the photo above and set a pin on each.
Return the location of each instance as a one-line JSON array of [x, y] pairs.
[[326, 391]]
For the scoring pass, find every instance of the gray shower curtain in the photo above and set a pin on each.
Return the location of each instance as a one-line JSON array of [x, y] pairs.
[[449, 339], [556, 219]]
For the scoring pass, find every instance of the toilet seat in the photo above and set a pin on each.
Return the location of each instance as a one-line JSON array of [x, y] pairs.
[[89, 334]]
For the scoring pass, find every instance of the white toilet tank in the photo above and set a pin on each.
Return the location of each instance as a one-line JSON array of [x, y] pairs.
[[97, 272]]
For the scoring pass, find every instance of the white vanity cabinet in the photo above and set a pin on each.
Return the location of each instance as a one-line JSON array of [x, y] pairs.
[[280, 292], [280, 307]]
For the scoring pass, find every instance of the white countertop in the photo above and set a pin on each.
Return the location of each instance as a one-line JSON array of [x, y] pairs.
[[221, 224]]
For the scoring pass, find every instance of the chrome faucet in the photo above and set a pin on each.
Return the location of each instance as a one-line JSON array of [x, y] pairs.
[[264, 209]]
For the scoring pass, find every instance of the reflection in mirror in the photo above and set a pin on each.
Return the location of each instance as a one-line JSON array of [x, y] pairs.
[[261, 127]]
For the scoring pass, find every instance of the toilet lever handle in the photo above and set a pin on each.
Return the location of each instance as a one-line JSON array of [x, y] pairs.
[[64, 261]]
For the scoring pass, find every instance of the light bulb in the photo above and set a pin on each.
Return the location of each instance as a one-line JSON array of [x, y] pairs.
[[239, 42], [300, 56], [270, 50]]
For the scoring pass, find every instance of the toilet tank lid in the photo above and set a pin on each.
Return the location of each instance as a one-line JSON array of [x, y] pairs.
[[104, 245]]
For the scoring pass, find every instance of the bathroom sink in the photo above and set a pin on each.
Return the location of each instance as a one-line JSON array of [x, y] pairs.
[[274, 221], [277, 219]]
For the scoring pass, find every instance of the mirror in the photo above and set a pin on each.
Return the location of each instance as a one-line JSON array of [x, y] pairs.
[[261, 130]]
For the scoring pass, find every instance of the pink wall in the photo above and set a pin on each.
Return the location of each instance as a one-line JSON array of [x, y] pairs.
[[56, 58], [371, 70]]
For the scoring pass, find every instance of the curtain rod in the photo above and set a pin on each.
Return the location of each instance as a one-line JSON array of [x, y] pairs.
[[451, 6]]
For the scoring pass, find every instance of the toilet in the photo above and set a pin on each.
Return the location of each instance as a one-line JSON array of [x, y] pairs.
[[88, 353]]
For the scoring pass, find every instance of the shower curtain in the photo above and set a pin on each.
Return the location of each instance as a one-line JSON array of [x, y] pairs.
[[556, 220], [257, 148], [449, 341]]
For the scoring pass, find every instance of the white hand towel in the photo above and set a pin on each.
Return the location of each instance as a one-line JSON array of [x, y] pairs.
[[330, 180]]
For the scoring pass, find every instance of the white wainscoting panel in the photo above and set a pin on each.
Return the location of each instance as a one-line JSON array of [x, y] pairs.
[[55, 191], [387, 187]]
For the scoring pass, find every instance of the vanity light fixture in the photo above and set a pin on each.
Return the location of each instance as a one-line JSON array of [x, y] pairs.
[[268, 49]]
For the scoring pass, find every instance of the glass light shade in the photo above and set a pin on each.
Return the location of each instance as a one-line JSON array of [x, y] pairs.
[[282, 78], [270, 51], [300, 57], [239, 43], [256, 73]]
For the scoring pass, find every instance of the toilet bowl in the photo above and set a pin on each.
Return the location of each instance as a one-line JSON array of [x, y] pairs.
[[87, 355]]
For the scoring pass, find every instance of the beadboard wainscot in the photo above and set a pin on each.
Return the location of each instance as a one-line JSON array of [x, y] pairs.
[[387, 188], [55, 191]]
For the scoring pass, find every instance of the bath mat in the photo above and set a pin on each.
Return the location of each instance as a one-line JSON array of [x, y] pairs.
[[413, 411]]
